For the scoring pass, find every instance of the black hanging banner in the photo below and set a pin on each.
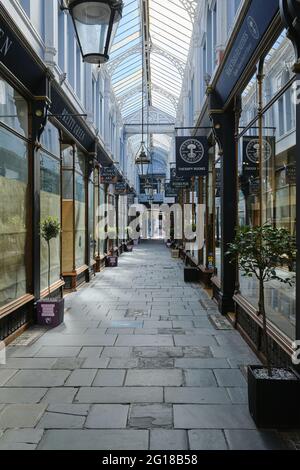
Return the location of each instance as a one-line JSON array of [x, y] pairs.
[[251, 154], [192, 156]]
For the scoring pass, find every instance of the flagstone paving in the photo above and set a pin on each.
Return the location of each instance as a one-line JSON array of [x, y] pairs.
[[137, 364]]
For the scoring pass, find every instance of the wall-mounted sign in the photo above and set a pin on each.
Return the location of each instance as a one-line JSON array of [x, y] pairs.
[[251, 32], [120, 187], [191, 156], [170, 191], [179, 182], [251, 154], [19, 61], [108, 175]]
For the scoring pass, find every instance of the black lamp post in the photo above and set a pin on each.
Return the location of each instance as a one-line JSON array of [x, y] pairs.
[[95, 23]]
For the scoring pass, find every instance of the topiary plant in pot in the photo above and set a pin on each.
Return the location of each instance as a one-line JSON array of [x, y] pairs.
[[50, 312], [273, 392]]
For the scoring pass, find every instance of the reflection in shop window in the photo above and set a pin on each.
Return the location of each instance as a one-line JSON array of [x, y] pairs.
[[277, 179]]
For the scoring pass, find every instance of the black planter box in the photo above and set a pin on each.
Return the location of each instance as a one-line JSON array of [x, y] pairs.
[[273, 403], [111, 261], [129, 248], [50, 312], [191, 275]]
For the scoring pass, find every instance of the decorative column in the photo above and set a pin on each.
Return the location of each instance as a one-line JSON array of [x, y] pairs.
[[290, 14], [224, 123], [51, 32]]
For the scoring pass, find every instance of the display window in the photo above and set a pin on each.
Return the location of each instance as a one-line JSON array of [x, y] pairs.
[[15, 232], [270, 135], [50, 200]]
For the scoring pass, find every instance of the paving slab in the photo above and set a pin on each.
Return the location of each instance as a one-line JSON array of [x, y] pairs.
[[22, 395], [145, 340], [109, 378], [6, 374], [253, 440], [95, 440], [169, 439], [119, 395], [107, 417], [151, 416], [38, 378], [203, 439], [153, 377], [60, 395], [205, 395], [230, 378], [212, 417], [61, 421], [21, 416]]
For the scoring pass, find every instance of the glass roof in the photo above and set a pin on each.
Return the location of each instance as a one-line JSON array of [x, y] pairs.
[[167, 28]]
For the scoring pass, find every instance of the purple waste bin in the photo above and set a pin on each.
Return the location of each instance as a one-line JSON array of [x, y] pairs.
[[50, 312]]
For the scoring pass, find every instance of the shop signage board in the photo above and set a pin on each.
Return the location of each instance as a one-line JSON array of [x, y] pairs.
[[120, 187], [18, 60], [73, 124], [251, 154], [179, 182], [108, 175], [170, 191], [253, 28], [191, 156]]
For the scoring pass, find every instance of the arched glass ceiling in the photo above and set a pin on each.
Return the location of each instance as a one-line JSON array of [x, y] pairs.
[[167, 29]]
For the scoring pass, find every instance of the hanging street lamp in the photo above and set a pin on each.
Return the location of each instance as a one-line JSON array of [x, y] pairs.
[[95, 23]]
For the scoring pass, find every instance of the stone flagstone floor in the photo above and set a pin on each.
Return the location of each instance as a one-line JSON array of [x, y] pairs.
[[136, 365]]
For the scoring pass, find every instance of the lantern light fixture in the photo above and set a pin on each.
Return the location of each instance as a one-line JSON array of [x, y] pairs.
[[95, 23]]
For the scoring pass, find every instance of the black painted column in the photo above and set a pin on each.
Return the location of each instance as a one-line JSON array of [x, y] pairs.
[[223, 122]]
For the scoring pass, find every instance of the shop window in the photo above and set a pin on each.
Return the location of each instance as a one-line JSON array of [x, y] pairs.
[[80, 210], [277, 146], [13, 109], [50, 206], [14, 191]]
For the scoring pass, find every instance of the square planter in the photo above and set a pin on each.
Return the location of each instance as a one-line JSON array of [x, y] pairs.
[[191, 275], [111, 261], [273, 403], [50, 312], [175, 253], [129, 248], [136, 242]]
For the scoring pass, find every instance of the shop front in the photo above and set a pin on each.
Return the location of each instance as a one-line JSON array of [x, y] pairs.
[[23, 91], [254, 110]]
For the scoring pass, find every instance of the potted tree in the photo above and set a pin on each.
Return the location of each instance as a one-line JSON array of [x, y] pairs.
[[50, 312], [273, 392]]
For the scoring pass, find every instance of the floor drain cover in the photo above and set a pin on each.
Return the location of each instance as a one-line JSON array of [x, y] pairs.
[[29, 336], [220, 322]]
